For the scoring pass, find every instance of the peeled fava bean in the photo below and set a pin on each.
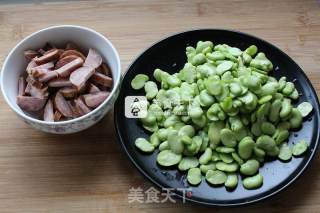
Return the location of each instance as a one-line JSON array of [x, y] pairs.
[[245, 147], [305, 108], [232, 181], [228, 138], [299, 148], [194, 176], [227, 167], [216, 177], [285, 153], [296, 119], [253, 182], [139, 81], [250, 167], [168, 158], [144, 145]]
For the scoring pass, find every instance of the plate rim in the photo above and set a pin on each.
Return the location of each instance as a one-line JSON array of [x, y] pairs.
[[190, 200]]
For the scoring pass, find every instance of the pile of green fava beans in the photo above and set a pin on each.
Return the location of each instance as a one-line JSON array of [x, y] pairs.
[[221, 115]]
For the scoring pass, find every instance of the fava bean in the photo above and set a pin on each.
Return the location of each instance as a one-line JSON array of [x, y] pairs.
[[154, 139], [151, 89], [168, 158], [209, 166], [237, 158], [250, 167], [296, 119], [305, 108], [224, 66], [194, 176], [267, 128], [232, 181], [144, 145], [252, 50], [216, 177], [223, 149], [164, 146], [228, 138], [300, 148], [274, 114], [206, 156], [226, 158], [139, 81], [227, 167], [286, 108], [253, 182], [188, 163], [175, 142], [245, 147], [285, 153]]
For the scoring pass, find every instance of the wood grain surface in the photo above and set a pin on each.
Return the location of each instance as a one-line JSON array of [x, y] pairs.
[[88, 172]]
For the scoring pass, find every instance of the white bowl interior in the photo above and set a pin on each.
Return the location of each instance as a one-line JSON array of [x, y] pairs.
[[15, 64]]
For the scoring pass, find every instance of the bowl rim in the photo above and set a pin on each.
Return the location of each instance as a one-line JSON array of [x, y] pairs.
[[145, 174], [116, 81]]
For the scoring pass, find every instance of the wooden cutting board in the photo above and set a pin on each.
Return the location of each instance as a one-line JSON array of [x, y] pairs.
[[88, 172]]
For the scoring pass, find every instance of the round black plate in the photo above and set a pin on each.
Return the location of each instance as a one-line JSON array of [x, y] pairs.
[[169, 55]]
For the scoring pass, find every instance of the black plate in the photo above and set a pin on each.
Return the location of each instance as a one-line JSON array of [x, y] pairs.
[[169, 55]]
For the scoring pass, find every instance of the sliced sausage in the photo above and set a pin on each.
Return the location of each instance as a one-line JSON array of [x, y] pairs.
[[65, 70], [39, 92], [92, 88], [48, 65], [32, 81], [93, 59], [63, 61], [62, 105], [28, 88], [29, 103], [57, 116], [101, 79], [30, 54], [48, 114], [48, 76], [79, 77], [72, 52], [38, 72], [60, 82], [21, 86], [68, 92], [104, 69], [74, 109], [81, 106], [31, 65], [47, 57], [94, 100]]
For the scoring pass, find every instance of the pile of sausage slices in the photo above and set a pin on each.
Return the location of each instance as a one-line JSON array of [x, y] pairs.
[[62, 84]]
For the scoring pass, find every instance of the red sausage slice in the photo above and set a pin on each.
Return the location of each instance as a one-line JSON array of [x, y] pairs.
[[21, 86], [62, 105], [101, 79], [30, 54], [65, 70], [48, 114], [79, 77], [29, 103], [94, 100], [60, 82], [93, 59], [47, 57]]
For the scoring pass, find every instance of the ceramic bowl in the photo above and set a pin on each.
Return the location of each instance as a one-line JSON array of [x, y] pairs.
[[15, 64]]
